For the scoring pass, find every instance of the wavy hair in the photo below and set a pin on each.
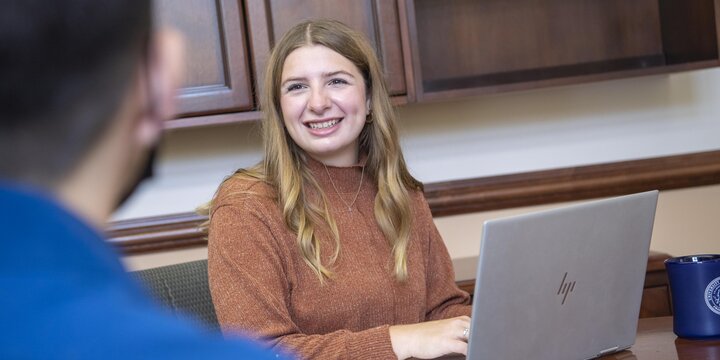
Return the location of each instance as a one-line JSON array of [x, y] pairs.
[[283, 164]]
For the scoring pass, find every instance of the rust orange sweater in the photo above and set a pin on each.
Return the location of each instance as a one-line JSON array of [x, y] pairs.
[[262, 287]]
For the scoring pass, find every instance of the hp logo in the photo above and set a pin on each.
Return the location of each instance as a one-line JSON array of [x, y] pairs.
[[565, 288]]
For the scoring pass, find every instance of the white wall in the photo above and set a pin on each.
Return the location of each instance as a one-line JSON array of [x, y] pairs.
[[491, 135]]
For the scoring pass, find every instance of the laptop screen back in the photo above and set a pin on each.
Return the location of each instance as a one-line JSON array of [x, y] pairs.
[[564, 283]]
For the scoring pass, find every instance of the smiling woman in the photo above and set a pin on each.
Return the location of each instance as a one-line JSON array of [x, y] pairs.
[[324, 106], [327, 247]]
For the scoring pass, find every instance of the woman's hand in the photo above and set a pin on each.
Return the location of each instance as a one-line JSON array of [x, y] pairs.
[[430, 339]]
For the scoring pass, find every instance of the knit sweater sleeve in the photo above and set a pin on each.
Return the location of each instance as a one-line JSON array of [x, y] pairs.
[[250, 280], [444, 299]]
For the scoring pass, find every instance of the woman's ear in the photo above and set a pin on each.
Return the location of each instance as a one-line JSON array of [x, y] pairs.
[[367, 106]]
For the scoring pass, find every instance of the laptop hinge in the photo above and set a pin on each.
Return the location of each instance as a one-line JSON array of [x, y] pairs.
[[608, 351]]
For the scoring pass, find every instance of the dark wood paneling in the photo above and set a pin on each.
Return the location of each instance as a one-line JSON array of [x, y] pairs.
[[655, 302], [482, 194], [391, 49], [585, 182], [268, 20], [689, 30], [217, 75], [531, 40], [405, 37], [410, 40], [465, 47], [214, 120], [717, 24], [548, 73], [435, 50], [656, 293], [160, 233], [497, 36], [540, 82]]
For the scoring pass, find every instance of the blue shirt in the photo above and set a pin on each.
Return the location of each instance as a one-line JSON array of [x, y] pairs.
[[65, 295]]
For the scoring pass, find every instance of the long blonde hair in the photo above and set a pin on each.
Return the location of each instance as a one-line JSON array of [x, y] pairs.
[[283, 165]]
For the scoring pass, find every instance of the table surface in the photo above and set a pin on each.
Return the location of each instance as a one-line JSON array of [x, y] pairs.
[[656, 340]]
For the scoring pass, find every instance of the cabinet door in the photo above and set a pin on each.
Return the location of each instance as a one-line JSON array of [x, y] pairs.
[[268, 20], [469, 47], [217, 77]]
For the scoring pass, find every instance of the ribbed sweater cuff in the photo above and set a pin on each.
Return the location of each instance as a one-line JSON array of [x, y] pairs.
[[459, 310], [372, 344]]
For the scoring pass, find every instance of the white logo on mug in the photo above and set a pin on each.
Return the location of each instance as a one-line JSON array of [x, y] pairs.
[[712, 295]]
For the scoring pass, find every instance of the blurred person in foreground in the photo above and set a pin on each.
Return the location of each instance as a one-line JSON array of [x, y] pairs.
[[85, 88]]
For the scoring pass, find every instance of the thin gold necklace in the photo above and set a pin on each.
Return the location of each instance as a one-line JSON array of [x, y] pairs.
[[349, 206]]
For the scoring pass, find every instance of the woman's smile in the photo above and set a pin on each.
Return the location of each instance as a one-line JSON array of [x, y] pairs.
[[322, 124], [324, 104]]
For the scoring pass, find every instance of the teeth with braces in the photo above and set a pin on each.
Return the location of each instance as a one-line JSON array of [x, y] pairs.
[[323, 125]]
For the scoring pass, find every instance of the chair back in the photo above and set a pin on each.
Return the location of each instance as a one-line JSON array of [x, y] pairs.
[[184, 289]]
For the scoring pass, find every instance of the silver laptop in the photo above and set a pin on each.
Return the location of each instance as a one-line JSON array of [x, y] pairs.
[[564, 283]]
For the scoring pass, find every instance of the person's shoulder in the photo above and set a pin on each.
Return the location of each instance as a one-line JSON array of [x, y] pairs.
[[44, 323], [242, 188], [140, 328], [417, 196], [419, 205]]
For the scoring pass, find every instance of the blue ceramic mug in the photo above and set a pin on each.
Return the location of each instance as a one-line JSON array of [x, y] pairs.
[[695, 293]]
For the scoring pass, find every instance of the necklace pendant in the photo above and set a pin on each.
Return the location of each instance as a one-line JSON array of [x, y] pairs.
[[357, 193]]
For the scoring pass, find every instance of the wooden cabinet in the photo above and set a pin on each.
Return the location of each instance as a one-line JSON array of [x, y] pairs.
[[439, 49], [217, 76], [465, 47], [268, 20]]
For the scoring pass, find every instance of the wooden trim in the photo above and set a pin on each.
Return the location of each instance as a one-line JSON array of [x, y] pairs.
[[410, 38], [176, 231], [213, 120], [717, 24], [389, 45], [233, 91], [577, 183], [259, 35], [406, 50], [160, 233], [432, 96]]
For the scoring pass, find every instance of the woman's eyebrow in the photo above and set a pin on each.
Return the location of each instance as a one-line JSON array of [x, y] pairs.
[[293, 79], [326, 74], [333, 73]]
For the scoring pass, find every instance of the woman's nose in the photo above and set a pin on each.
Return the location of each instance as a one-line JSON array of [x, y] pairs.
[[319, 101]]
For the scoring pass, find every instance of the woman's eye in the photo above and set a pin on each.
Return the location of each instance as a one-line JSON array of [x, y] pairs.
[[293, 87], [338, 82]]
